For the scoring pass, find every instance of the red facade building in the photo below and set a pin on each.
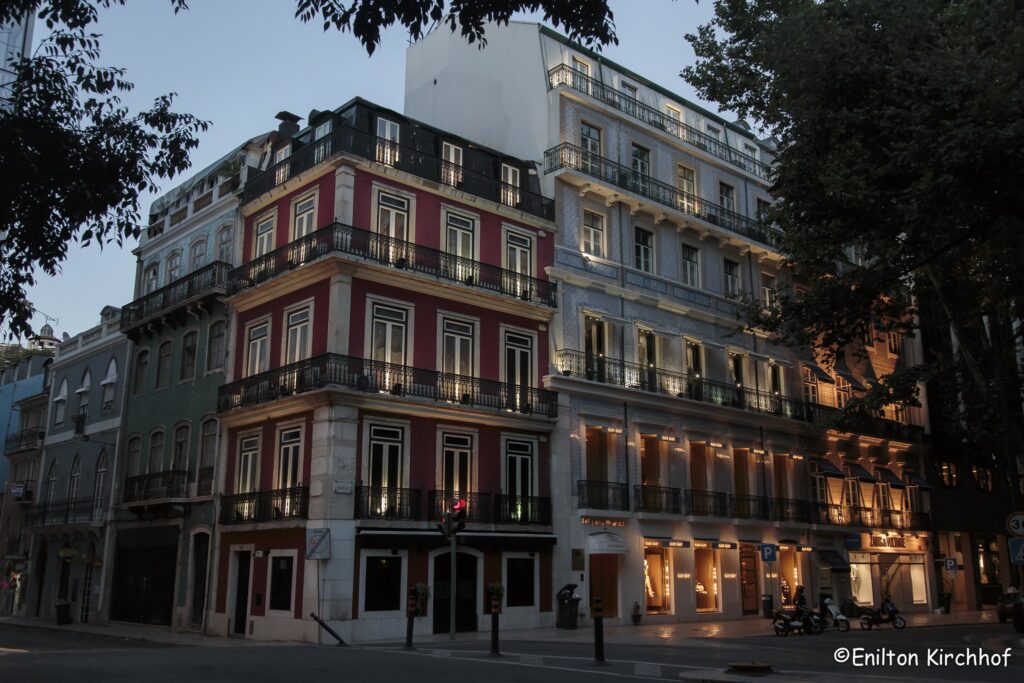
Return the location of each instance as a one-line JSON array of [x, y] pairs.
[[389, 339]]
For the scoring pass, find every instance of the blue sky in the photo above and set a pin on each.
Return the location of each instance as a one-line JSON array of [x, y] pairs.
[[236, 63]]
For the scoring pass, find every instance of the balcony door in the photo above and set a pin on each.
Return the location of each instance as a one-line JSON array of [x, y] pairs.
[[389, 330], [289, 459], [641, 158], [258, 351], [519, 262], [387, 141], [594, 348], [519, 480], [698, 467], [451, 169], [393, 228], [248, 465], [518, 370], [459, 239], [647, 359], [457, 360], [456, 463], [385, 470]]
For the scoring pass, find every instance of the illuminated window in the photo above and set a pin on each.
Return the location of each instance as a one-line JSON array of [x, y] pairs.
[[947, 472], [843, 392], [705, 577], [657, 580], [810, 385], [982, 477]]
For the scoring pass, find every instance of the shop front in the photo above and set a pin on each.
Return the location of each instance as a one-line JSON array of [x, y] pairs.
[[890, 564]]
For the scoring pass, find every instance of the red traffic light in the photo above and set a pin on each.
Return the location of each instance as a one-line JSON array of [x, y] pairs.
[[459, 509]]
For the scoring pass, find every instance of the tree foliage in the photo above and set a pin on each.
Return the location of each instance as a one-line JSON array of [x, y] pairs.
[[901, 134]]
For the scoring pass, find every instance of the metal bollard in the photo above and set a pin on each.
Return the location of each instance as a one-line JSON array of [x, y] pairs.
[[598, 610], [495, 611], [411, 609]]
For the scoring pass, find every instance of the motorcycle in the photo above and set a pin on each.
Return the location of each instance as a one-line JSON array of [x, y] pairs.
[[839, 620], [802, 620], [887, 614]]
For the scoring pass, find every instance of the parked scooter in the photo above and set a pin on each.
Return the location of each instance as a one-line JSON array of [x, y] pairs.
[[887, 614], [800, 621], [839, 620]]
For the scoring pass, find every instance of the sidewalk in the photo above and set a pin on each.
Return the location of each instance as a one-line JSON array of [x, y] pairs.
[[156, 634]]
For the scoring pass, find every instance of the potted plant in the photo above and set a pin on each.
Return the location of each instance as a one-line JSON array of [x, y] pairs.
[[496, 590], [422, 592]]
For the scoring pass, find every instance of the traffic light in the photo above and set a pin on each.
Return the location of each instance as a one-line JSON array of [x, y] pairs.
[[459, 509]]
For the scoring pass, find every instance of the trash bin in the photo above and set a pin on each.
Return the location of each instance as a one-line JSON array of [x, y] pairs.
[[767, 606], [63, 613], [568, 607]]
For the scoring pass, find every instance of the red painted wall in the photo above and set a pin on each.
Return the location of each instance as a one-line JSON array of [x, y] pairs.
[[268, 448], [267, 539], [283, 207]]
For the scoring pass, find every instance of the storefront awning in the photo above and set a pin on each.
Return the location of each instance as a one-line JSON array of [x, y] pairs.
[[806, 357], [826, 468], [889, 477], [843, 370], [915, 479], [858, 472], [834, 560]]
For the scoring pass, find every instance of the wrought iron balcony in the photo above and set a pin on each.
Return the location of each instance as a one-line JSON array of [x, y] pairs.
[[376, 376], [25, 440], [707, 503], [509, 509], [23, 491], [381, 502], [603, 495], [790, 510], [277, 505], [478, 505], [749, 507], [347, 140], [657, 499], [564, 74], [208, 281], [867, 517], [83, 511], [156, 486], [371, 247], [567, 155]]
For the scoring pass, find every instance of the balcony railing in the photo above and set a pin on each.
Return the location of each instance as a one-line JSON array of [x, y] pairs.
[[376, 376], [156, 486], [622, 373], [510, 509], [478, 505], [749, 507], [277, 505], [707, 503], [837, 514], [204, 482], [25, 439], [380, 502], [657, 499], [564, 74], [27, 490], [567, 155], [602, 495], [84, 511], [362, 144], [790, 510], [207, 281], [372, 247]]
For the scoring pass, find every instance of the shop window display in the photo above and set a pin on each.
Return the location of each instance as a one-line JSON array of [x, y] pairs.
[[860, 578], [789, 576], [705, 578], [657, 581]]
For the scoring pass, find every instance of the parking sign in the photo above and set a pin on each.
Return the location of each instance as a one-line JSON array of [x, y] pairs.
[[951, 565], [769, 552]]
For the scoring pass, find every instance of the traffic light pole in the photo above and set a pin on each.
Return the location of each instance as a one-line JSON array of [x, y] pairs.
[[451, 589]]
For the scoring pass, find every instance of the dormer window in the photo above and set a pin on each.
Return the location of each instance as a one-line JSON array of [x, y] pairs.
[[387, 141], [281, 168], [323, 146], [451, 167], [83, 394], [509, 185]]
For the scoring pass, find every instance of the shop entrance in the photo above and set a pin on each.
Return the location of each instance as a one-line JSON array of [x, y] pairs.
[[748, 580], [465, 592], [144, 569], [604, 582], [241, 592]]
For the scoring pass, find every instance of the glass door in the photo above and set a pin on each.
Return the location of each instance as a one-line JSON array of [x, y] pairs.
[[457, 361], [594, 348], [518, 480], [456, 465], [519, 263], [518, 371], [387, 347], [459, 245], [385, 471], [392, 229]]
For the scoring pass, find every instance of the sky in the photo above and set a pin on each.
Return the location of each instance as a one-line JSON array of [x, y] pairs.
[[236, 63]]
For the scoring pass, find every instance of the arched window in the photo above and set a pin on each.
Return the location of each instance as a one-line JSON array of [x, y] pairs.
[[197, 255], [83, 394], [51, 486], [141, 371], [156, 453], [75, 480], [109, 385], [134, 456], [60, 403], [101, 480], [207, 453], [189, 349], [179, 463], [163, 365], [150, 278], [225, 244], [173, 267], [216, 346]]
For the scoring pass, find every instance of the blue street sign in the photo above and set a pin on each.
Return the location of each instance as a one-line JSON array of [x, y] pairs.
[[1017, 550], [951, 564], [769, 552]]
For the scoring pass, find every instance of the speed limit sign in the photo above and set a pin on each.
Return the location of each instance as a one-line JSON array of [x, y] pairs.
[[1015, 524]]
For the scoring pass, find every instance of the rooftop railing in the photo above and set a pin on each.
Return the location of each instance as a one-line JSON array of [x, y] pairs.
[[208, 280]]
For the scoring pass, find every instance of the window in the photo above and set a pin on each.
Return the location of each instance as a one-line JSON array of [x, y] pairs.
[[225, 245], [593, 234], [141, 372], [99, 482], [51, 486], [518, 473], [643, 243], [387, 141], [83, 394], [731, 272], [519, 370], [457, 350], [207, 453], [519, 257], [297, 337], [109, 389], [388, 334], [385, 468], [775, 378], [982, 477], [74, 481], [264, 237], [947, 471], [893, 342], [289, 459], [690, 271], [628, 90], [843, 392], [281, 572], [189, 349], [60, 404], [590, 141], [736, 369], [392, 222], [150, 278], [163, 365], [727, 197], [156, 453], [519, 581], [173, 266], [257, 350], [867, 336], [323, 147], [216, 347], [750, 151], [459, 236], [248, 464], [810, 385], [768, 291], [197, 255], [641, 159], [302, 217], [134, 456], [457, 452], [179, 456], [687, 185], [657, 580], [383, 586], [705, 576], [763, 205], [673, 113], [694, 359], [281, 165], [509, 185], [451, 166], [713, 132]]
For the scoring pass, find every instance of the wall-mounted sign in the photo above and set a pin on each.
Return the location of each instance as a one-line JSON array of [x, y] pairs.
[[757, 451], [716, 444], [882, 541], [606, 543], [665, 543], [714, 545], [599, 521], [797, 548]]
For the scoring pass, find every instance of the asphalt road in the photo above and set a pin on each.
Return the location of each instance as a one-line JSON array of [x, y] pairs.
[[30, 654]]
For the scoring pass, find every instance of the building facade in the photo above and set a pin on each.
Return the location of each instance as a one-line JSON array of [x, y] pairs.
[[389, 336], [685, 442], [15, 44], [68, 573]]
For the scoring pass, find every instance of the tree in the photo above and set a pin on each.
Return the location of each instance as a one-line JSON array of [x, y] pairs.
[[900, 132], [76, 161]]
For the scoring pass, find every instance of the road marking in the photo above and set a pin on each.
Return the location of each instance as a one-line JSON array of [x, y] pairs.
[[11, 651], [647, 670]]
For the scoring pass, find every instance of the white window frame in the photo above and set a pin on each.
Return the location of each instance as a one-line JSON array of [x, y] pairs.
[[534, 474], [410, 210], [387, 423], [510, 185], [306, 305], [507, 230], [536, 581], [265, 320], [410, 325], [197, 256], [584, 228], [726, 279], [684, 268], [256, 435], [258, 237], [364, 555], [311, 214], [644, 253], [473, 435], [452, 168], [282, 552], [292, 425], [474, 323]]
